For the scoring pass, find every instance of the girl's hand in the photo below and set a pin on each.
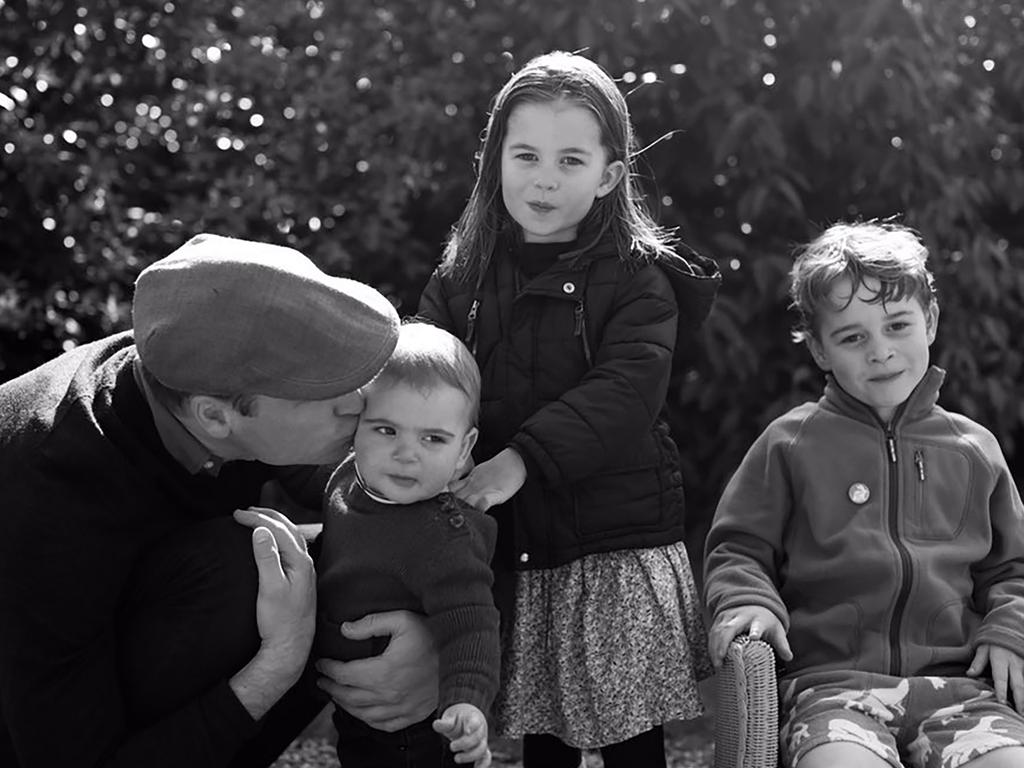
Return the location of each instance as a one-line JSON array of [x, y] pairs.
[[466, 727], [754, 620], [1007, 672], [493, 482]]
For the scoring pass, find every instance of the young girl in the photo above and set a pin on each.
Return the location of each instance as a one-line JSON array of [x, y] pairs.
[[571, 300]]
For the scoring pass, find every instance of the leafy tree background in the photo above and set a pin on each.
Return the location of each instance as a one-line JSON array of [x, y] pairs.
[[347, 130]]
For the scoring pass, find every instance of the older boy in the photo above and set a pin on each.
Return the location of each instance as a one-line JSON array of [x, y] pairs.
[[874, 538], [396, 538]]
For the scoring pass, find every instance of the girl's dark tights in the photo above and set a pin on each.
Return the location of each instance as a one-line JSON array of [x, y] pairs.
[[646, 750]]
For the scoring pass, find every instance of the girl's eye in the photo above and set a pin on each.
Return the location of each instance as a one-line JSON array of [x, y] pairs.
[[436, 439], [525, 156], [899, 325], [387, 431], [853, 338], [572, 160]]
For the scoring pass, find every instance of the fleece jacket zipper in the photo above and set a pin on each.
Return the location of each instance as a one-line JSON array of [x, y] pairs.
[[895, 657]]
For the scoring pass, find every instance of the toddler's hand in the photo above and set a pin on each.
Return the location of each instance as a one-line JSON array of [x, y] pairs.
[[493, 482], [1007, 672], [754, 620], [466, 727]]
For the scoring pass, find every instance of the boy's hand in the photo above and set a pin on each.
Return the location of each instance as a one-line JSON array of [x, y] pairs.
[[754, 620], [1007, 672], [493, 482], [466, 727]]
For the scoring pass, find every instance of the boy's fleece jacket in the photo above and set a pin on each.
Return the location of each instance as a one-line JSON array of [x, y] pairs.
[[907, 581]]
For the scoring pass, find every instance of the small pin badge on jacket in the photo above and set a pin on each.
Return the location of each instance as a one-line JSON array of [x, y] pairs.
[[859, 493]]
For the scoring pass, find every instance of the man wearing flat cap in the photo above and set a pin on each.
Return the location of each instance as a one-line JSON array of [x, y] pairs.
[[152, 612]]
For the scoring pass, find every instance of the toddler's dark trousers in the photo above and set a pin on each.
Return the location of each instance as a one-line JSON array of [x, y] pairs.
[[418, 746], [189, 622]]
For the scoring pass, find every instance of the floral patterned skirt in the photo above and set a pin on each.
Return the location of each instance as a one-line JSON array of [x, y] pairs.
[[603, 648]]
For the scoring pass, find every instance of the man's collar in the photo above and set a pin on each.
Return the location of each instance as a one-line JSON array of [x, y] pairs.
[[179, 442]]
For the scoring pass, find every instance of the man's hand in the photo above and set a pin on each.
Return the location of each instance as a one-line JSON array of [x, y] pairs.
[[756, 621], [286, 603], [285, 612], [1007, 672], [466, 727], [493, 482], [303, 533], [393, 690]]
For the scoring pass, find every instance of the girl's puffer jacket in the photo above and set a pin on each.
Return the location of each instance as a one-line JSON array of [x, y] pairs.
[[575, 367]]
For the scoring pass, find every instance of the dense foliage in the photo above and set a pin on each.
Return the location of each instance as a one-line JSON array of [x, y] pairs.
[[347, 129]]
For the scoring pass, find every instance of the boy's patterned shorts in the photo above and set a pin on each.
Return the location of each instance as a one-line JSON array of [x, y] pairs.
[[925, 722]]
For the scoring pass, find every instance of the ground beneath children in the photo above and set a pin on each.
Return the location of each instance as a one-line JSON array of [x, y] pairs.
[[688, 744]]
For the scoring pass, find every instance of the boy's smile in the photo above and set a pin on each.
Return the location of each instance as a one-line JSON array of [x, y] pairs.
[[877, 352]]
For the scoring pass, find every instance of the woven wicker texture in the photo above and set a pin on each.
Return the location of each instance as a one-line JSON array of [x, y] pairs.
[[747, 716]]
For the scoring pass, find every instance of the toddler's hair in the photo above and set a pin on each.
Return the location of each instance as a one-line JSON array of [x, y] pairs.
[[890, 253], [427, 356], [553, 77]]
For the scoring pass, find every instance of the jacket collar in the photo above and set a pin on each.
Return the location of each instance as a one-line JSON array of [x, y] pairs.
[[920, 402], [695, 279], [578, 254]]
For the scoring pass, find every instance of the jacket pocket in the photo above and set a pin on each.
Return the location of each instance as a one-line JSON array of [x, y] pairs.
[[948, 633], [941, 479], [634, 499]]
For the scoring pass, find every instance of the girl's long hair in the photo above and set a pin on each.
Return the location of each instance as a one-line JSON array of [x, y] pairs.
[[557, 76]]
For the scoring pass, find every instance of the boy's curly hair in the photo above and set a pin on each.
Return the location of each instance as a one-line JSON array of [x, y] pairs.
[[891, 253]]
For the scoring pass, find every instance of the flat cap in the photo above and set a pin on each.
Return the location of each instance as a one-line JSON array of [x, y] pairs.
[[225, 316]]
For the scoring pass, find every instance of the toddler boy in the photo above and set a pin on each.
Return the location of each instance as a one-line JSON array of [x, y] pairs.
[[395, 538]]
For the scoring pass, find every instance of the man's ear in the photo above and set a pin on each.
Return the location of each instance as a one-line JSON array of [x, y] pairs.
[[211, 414], [931, 319], [818, 353], [610, 178]]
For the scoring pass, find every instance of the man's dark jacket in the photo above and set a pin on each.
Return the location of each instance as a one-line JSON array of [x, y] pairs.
[[87, 488]]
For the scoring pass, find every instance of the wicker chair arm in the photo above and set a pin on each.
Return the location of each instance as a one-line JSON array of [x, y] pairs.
[[747, 715]]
